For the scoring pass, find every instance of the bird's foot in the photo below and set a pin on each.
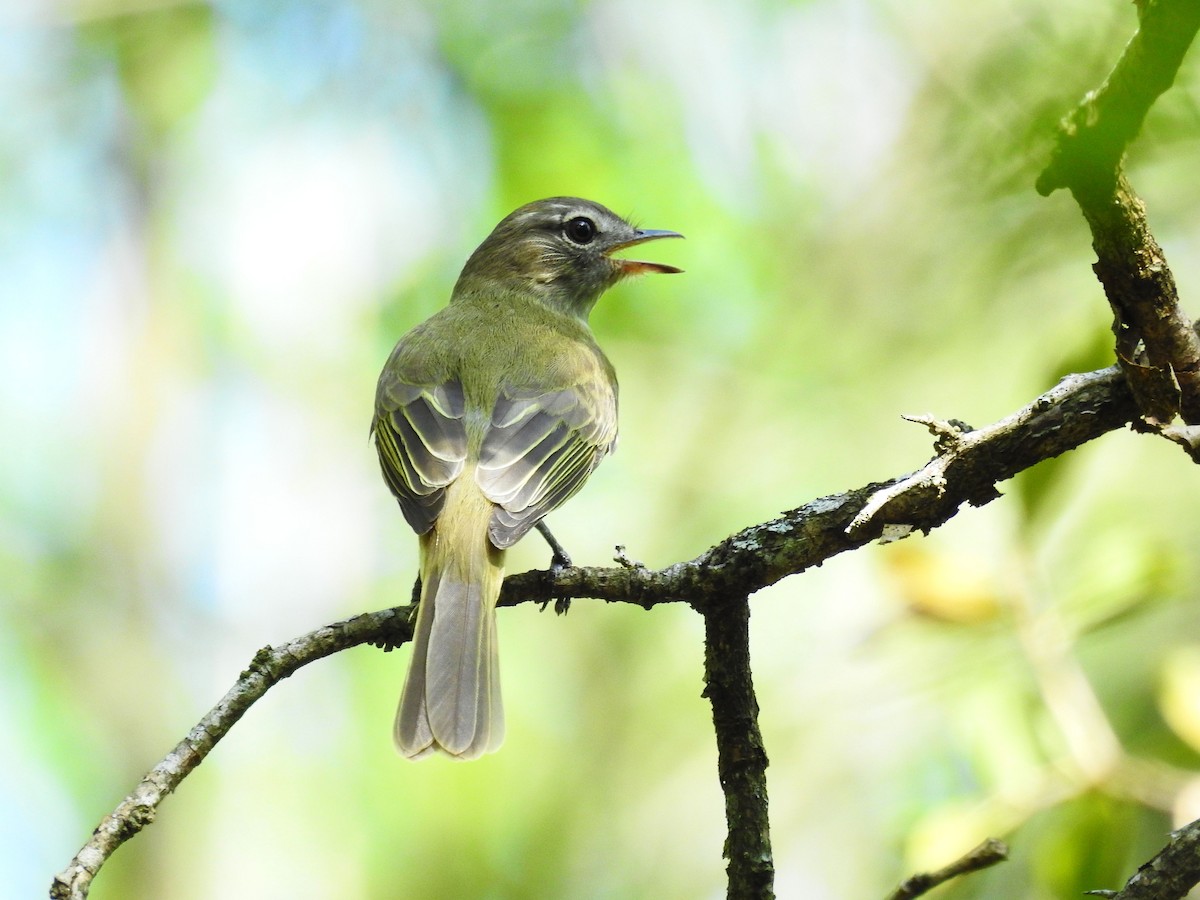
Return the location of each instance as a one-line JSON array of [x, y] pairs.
[[405, 624], [560, 561], [558, 565]]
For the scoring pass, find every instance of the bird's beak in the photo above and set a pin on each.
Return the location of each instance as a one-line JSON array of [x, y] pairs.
[[637, 266]]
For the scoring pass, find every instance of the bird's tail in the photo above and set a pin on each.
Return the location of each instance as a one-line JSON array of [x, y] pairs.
[[451, 700]]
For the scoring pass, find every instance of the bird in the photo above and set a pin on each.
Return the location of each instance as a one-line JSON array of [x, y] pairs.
[[488, 415]]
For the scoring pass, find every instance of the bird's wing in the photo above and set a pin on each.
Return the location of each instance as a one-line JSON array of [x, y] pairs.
[[539, 449], [422, 444]]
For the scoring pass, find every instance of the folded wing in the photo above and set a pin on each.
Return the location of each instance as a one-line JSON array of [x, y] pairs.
[[539, 449], [422, 443]]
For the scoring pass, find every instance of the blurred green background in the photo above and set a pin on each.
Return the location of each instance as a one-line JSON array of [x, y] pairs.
[[215, 221]]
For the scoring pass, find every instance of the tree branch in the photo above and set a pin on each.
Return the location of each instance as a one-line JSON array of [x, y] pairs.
[[1080, 408], [1170, 874], [269, 666], [1159, 353], [987, 854], [1156, 342], [741, 756]]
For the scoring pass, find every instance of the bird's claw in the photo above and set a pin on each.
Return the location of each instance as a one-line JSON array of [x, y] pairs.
[[560, 561], [558, 565]]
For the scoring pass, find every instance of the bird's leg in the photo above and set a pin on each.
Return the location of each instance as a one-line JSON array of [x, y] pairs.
[[559, 560]]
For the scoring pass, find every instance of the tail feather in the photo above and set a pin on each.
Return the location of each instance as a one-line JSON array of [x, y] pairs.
[[456, 670], [451, 699], [411, 733], [495, 713]]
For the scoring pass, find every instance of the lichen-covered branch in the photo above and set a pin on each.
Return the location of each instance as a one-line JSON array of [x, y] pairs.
[[1081, 408], [269, 666], [1157, 345], [1156, 342], [1077, 410], [960, 448], [741, 756], [1170, 875]]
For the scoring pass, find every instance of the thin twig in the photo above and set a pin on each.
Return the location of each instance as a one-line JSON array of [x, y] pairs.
[[269, 666], [958, 447], [985, 855]]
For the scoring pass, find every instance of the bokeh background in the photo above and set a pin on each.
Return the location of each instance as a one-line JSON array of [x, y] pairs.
[[215, 221]]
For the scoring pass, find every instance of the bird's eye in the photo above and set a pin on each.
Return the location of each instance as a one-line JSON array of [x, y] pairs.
[[581, 230]]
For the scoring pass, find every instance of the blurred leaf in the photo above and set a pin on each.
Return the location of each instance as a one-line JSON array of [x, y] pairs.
[[948, 587], [855, 181], [1179, 692], [1087, 846], [1036, 487], [166, 58], [946, 833]]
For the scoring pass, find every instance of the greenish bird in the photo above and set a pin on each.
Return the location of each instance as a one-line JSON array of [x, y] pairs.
[[488, 415]]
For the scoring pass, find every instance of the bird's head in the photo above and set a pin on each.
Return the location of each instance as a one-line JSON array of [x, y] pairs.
[[560, 249]]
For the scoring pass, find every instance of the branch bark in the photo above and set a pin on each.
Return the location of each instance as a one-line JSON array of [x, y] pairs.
[[269, 666], [1079, 409], [1170, 874], [1156, 344], [741, 756], [987, 854]]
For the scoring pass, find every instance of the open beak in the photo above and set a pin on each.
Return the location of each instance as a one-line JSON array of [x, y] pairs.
[[637, 266]]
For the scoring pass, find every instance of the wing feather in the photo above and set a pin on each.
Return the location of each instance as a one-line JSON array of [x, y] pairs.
[[421, 439], [539, 450]]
